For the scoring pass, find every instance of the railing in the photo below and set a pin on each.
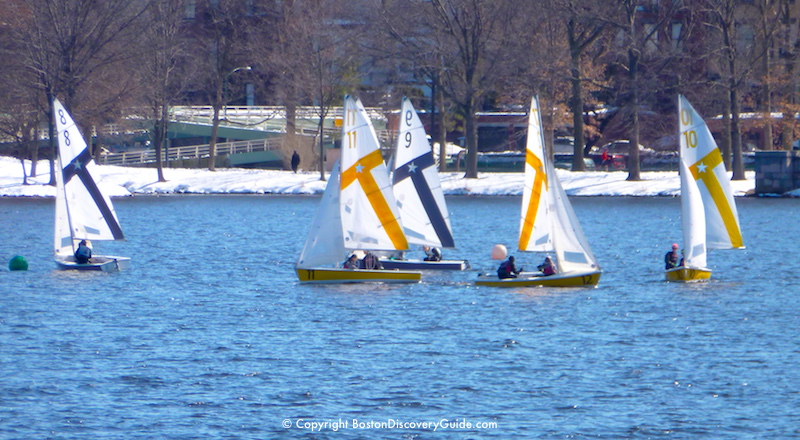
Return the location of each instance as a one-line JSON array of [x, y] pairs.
[[177, 153]]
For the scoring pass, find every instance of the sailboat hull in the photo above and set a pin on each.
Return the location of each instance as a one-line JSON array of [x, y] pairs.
[[336, 276], [425, 265], [688, 275], [570, 279], [98, 263]]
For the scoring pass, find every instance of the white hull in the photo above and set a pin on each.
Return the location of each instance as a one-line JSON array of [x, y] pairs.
[[531, 279], [105, 263], [425, 265]]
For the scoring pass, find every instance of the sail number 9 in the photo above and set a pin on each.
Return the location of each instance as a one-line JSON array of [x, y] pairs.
[[408, 118]]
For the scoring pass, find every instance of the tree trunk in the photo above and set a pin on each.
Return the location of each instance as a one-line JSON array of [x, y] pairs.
[[767, 98], [160, 139], [726, 133], [321, 146], [53, 150], [441, 132], [24, 174], [577, 100], [736, 134], [212, 143], [471, 138], [634, 173], [34, 146], [787, 122]]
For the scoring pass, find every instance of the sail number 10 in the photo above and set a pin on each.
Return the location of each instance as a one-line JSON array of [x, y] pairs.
[[689, 136]]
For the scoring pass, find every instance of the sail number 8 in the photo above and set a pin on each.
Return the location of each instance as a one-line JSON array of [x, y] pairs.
[[63, 120]]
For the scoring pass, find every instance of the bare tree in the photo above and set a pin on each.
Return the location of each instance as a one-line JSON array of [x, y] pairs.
[[636, 43], [160, 71], [468, 41], [219, 57], [72, 45], [332, 59], [584, 27], [725, 16]]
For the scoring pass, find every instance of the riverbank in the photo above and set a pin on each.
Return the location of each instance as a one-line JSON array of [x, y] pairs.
[[126, 181]]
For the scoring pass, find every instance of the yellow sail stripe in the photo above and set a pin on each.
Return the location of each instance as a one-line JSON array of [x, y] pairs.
[[362, 171], [533, 204], [709, 162]]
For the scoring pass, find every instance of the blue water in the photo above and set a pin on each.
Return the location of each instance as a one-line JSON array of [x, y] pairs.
[[210, 336]]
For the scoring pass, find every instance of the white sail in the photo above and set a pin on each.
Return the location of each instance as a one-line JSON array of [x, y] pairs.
[[324, 243], [536, 220], [416, 185], [693, 219], [548, 223], [82, 210], [704, 161], [370, 217]]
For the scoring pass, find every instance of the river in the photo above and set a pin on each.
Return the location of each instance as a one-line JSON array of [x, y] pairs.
[[209, 335]]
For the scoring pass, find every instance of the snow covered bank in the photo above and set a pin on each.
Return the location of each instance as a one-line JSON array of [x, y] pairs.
[[124, 181]]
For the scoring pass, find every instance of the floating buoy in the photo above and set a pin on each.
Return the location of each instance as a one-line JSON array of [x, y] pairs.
[[18, 263], [499, 252]]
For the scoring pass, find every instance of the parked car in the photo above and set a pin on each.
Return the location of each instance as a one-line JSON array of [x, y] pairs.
[[621, 147], [618, 154], [564, 162]]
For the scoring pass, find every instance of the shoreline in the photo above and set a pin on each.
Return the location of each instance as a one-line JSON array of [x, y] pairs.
[[128, 181]]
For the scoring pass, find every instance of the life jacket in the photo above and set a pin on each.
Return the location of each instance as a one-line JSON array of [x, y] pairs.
[[503, 269]]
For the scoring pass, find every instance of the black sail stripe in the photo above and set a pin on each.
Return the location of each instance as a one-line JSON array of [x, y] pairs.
[[80, 170], [426, 195]]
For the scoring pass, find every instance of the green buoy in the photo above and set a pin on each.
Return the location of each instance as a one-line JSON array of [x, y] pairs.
[[18, 263]]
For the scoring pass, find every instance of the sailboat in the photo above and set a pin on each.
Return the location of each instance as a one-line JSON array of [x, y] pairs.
[[358, 211], [83, 211], [419, 195], [708, 211], [548, 224]]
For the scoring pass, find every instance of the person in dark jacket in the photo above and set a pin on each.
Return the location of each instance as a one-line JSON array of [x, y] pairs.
[[370, 261], [295, 161], [508, 269], [352, 262], [671, 259], [432, 253], [83, 253]]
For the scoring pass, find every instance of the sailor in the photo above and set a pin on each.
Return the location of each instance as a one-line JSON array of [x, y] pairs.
[[671, 259], [432, 253], [351, 262], [548, 267], [83, 253], [507, 269], [370, 261]]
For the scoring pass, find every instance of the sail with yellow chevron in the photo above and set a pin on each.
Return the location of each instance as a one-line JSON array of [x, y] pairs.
[[708, 210], [358, 213], [547, 223]]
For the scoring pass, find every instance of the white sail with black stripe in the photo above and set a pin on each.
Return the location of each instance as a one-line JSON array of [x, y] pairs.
[[83, 211], [416, 185]]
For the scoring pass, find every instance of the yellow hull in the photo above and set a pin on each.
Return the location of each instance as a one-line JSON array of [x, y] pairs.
[[558, 280], [335, 276], [687, 275]]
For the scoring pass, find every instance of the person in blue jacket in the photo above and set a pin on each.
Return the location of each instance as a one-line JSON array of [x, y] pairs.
[[83, 253]]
